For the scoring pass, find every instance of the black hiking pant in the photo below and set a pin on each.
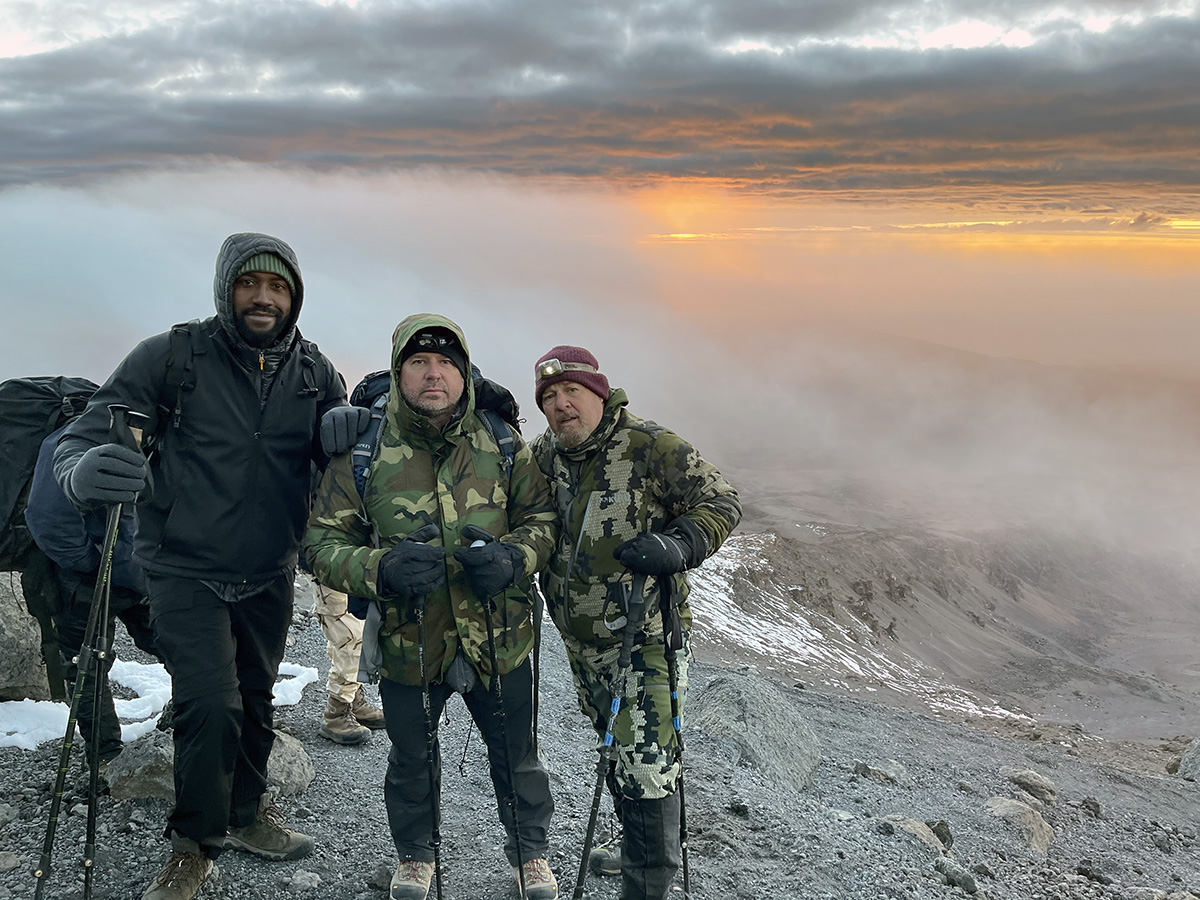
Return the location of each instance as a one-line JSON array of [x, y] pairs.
[[223, 658], [406, 786], [71, 625]]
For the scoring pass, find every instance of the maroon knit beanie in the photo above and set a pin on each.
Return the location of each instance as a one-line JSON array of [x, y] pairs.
[[574, 364]]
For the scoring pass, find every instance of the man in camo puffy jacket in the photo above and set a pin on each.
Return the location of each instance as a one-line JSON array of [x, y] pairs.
[[632, 497]]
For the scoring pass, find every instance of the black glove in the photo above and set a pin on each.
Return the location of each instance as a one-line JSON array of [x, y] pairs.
[[653, 553], [340, 428], [411, 570], [492, 567], [109, 473]]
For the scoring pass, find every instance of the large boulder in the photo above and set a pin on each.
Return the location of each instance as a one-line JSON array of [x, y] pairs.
[[762, 721], [1189, 765], [145, 767], [1026, 820], [22, 671]]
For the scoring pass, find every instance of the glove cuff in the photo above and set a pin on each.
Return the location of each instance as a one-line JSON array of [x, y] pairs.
[[692, 538]]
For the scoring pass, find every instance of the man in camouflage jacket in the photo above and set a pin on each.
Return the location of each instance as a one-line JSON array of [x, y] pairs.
[[632, 497], [436, 463]]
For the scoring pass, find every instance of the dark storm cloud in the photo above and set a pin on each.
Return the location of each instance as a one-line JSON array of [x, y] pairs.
[[630, 93]]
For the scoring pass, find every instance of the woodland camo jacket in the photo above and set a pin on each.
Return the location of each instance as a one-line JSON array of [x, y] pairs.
[[451, 478]]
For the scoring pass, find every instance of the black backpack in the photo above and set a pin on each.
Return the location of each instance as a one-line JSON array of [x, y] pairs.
[[30, 409], [494, 404]]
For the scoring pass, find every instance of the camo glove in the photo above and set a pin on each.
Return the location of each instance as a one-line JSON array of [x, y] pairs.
[[340, 428], [653, 553], [109, 473], [410, 570], [492, 567]]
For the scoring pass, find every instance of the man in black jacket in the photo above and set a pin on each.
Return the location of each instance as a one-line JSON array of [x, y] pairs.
[[240, 407]]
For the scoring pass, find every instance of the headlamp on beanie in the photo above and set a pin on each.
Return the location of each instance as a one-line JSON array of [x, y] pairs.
[[548, 368], [567, 363], [436, 340]]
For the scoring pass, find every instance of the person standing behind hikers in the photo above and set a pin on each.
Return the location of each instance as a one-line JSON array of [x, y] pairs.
[[73, 541], [632, 497], [436, 464], [239, 405], [349, 717]]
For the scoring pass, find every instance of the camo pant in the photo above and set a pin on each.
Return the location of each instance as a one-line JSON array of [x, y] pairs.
[[343, 637], [647, 753]]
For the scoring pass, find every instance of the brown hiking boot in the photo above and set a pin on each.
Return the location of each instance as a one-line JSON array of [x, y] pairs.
[[539, 879], [411, 880], [181, 878], [364, 712], [267, 837], [340, 725]]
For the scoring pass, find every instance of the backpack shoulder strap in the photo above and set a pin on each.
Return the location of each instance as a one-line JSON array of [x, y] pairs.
[[309, 355], [502, 434], [363, 451], [181, 373]]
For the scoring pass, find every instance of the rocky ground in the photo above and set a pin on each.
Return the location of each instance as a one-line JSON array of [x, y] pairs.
[[1115, 829]]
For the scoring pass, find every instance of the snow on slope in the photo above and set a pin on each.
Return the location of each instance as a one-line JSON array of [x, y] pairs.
[[741, 610]]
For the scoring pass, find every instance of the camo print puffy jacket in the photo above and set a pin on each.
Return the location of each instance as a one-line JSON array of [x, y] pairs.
[[452, 478], [629, 477]]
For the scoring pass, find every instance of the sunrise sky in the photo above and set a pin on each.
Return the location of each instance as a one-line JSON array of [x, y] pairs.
[[1013, 177]]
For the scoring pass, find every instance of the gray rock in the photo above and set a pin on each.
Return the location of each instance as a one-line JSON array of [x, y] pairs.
[[7, 814], [22, 672], [9, 861], [1025, 819], [922, 832], [1189, 764], [888, 770], [1032, 783], [381, 875], [956, 875], [145, 769], [290, 768], [304, 881], [761, 718]]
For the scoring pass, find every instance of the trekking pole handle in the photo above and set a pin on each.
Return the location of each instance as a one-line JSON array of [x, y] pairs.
[[126, 426], [637, 610], [478, 536], [423, 534]]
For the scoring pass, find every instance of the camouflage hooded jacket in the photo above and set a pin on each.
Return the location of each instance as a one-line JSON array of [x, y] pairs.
[[451, 478], [629, 477]]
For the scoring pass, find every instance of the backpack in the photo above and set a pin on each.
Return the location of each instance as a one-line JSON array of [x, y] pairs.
[[30, 409], [494, 404]]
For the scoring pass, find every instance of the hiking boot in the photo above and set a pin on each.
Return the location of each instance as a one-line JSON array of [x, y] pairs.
[[184, 873], [539, 880], [340, 725], [267, 837], [366, 713], [411, 880], [605, 861]]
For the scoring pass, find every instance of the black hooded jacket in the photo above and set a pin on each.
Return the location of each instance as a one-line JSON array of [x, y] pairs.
[[229, 489]]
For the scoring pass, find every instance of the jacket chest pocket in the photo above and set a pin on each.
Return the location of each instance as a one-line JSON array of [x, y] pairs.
[[610, 519]]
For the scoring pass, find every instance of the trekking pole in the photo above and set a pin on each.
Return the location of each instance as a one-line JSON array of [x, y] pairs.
[[421, 536], [670, 625], [122, 424], [633, 621], [479, 537]]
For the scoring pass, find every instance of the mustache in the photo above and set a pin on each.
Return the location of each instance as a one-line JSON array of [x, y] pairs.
[[261, 310]]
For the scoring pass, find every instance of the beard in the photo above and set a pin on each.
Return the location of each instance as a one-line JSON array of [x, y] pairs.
[[572, 433], [260, 338]]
